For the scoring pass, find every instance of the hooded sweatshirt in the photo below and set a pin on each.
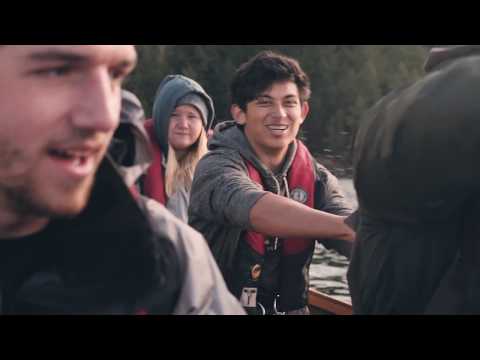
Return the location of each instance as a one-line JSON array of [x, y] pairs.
[[223, 195], [119, 256], [170, 91], [130, 148], [417, 180], [199, 289], [173, 91]]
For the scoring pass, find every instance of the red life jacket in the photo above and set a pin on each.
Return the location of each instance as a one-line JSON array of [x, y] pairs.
[[134, 191], [301, 176], [296, 254], [154, 182]]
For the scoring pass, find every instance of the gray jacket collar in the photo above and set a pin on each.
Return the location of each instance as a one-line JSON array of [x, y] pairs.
[[230, 135]]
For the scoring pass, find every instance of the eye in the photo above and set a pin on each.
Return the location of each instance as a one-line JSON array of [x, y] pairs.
[[56, 71], [118, 74], [175, 117], [264, 102], [291, 103]]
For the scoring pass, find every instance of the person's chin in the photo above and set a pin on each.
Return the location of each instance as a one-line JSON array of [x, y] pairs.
[[279, 144], [69, 210], [71, 204], [181, 146]]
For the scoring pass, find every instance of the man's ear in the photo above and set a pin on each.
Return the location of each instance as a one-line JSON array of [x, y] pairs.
[[238, 114], [305, 110]]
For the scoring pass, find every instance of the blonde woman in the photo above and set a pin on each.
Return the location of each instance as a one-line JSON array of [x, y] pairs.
[[182, 115]]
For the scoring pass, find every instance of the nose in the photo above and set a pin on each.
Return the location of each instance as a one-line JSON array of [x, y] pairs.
[[98, 104], [279, 111], [182, 122]]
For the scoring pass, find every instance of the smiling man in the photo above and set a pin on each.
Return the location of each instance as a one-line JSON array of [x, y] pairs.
[[73, 240], [259, 197]]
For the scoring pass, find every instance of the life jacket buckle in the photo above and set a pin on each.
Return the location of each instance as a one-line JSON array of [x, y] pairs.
[[273, 245], [276, 244]]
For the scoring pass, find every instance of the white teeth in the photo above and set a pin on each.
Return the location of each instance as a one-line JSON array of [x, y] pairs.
[[278, 127], [78, 158]]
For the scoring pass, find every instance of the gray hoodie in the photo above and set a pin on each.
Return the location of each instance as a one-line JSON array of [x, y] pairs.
[[223, 195], [170, 91], [130, 147], [203, 290]]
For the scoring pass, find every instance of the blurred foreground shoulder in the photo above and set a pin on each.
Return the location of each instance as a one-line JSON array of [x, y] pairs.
[[203, 289]]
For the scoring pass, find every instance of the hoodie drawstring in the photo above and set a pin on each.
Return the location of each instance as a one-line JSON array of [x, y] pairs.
[[287, 189]]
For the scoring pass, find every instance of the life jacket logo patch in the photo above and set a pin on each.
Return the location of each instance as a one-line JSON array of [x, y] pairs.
[[249, 297], [299, 195], [256, 272]]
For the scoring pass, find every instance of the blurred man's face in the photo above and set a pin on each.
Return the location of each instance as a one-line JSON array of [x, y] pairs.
[[59, 107]]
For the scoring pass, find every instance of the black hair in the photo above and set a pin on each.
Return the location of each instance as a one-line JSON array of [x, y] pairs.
[[261, 72]]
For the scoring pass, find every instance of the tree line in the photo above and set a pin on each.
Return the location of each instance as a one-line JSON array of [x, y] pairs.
[[346, 81]]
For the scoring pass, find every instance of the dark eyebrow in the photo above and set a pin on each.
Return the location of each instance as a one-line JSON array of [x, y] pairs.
[[56, 55], [271, 98]]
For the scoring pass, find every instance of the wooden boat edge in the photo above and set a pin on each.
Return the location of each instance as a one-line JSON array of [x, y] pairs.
[[323, 303]]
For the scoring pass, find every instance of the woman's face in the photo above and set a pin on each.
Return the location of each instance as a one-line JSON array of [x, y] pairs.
[[185, 127]]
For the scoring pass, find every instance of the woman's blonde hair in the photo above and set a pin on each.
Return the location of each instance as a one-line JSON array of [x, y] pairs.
[[180, 169]]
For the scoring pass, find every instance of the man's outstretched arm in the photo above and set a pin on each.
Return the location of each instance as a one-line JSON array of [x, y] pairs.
[[278, 216]]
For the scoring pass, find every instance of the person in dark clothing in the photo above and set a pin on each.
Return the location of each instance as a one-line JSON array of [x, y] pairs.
[[417, 180], [259, 197], [73, 239]]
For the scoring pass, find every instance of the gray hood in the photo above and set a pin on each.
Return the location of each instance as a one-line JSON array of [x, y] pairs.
[[442, 56], [229, 135], [130, 147], [172, 89]]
